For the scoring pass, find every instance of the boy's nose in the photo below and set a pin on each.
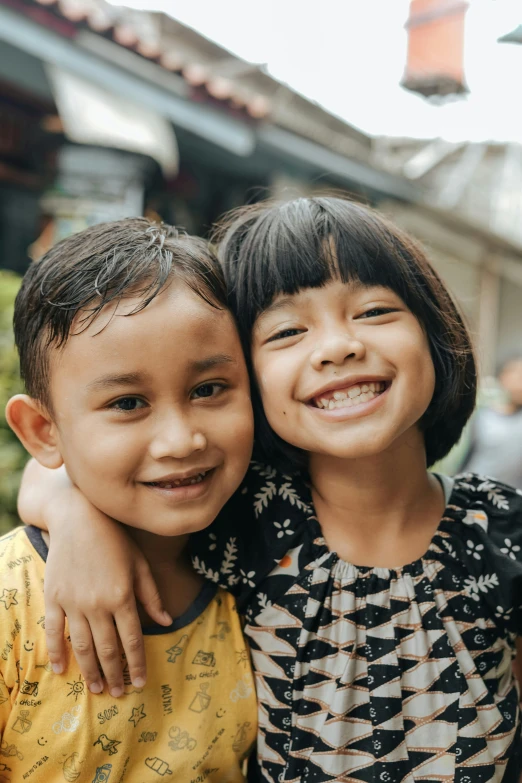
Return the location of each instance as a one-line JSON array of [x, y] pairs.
[[178, 440], [336, 349]]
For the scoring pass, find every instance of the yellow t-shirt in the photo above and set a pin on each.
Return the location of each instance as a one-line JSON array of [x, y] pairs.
[[194, 722]]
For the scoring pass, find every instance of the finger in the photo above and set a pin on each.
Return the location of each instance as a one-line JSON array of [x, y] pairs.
[[55, 637], [148, 595], [108, 651], [84, 652], [131, 636]]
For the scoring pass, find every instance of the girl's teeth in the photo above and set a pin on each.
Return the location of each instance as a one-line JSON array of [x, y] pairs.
[[355, 395]]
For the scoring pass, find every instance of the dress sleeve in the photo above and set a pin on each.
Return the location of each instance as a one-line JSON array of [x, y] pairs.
[[496, 510], [264, 519]]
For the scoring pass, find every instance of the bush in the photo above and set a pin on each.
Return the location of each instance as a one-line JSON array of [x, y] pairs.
[[12, 455]]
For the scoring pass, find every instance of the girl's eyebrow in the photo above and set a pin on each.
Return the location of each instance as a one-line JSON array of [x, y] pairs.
[[287, 301], [278, 304]]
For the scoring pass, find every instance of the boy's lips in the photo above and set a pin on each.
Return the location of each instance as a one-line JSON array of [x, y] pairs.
[[349, 392], [175, 480], [182, 490]]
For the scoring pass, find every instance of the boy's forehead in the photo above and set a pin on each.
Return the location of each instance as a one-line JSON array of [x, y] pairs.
[[176, 306], [178, 327]]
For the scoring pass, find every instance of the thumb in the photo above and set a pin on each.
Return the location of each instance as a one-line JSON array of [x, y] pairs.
[[147, 593]]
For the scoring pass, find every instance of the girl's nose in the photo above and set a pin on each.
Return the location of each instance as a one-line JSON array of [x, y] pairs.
[[336, 349], [177, 439]]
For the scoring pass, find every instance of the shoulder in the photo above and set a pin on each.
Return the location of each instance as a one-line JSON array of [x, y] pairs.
[[265, 501], [15, 551], [488, 503], [488, 542], [272, 492], [21, 578], [266, 518]]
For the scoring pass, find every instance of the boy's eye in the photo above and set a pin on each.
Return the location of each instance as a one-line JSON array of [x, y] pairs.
[[128, 404], [208, 390], [284, 333]]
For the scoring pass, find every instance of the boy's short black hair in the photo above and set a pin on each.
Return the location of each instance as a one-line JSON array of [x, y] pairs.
[[272, 248], [68, 287]]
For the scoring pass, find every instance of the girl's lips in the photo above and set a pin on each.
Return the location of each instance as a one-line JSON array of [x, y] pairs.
[[349, 394], [353, 412]]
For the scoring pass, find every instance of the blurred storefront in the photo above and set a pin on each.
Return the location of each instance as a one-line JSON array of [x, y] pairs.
[[122, 112]]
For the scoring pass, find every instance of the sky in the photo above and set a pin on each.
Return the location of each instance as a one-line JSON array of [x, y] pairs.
[[349, 56]]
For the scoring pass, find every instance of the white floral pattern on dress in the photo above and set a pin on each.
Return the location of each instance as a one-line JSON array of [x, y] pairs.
[[368, 674]]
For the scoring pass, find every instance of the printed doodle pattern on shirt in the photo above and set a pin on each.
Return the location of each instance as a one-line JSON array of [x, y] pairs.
[[52, 729]]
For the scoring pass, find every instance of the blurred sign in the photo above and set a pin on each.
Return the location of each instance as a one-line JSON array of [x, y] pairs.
[[92, 115]]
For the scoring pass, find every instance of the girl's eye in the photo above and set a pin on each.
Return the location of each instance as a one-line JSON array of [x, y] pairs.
[[284, 334], [376, 311], [128, 404], [208, 390]]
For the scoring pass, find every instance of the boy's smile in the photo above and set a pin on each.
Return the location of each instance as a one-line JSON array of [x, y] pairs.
[[152, 411], [351, 366]]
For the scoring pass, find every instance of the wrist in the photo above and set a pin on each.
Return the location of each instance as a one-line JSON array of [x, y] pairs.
[[61, 507]]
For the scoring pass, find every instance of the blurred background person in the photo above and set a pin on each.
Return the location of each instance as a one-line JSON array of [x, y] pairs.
[[495, 444]]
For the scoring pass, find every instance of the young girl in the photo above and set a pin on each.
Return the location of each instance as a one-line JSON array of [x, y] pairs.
[[382, 601]]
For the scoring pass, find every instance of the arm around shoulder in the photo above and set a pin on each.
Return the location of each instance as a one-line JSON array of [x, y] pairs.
[[42, 492]]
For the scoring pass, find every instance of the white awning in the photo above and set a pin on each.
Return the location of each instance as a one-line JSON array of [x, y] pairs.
[[93, 115]]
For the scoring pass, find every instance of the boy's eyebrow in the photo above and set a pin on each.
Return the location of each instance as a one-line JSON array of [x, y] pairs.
[[133, 378], [108, 381], [200, 365]]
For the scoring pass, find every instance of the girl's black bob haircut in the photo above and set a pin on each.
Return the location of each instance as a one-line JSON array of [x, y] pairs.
[[273, 248]]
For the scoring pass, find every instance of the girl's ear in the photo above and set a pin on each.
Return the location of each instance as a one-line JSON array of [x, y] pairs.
[[34, 428]]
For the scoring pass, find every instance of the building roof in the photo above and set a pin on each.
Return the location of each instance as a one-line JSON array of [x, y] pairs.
[[477, 182], [212, 73]]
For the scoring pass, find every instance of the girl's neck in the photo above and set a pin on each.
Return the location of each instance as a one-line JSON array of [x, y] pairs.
[[381, 510]]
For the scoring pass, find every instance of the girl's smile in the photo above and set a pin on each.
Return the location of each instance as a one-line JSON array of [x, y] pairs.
[[350, 399]]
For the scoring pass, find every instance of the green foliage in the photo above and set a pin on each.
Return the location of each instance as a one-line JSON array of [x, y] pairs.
[[12, 455]]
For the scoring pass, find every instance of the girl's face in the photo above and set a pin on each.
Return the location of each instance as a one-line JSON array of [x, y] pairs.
[[344, 370]]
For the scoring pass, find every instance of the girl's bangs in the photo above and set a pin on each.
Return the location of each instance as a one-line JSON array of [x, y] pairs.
[[307, 245]]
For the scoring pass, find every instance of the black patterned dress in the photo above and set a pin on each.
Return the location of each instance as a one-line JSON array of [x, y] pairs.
[[376, 674]]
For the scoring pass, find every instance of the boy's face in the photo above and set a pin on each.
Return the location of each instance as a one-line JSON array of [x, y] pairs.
[[152, 412]]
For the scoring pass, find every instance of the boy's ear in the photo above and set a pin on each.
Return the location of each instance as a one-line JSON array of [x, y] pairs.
[[34, 428]]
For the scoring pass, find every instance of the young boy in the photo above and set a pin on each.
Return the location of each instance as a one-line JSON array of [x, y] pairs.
[[135, 382]]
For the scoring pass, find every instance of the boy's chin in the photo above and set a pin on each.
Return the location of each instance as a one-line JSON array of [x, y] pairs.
[[184, 525]]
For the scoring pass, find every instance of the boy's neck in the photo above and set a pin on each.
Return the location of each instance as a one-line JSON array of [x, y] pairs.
[[379, 510], [161, 551], [177, 582]]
